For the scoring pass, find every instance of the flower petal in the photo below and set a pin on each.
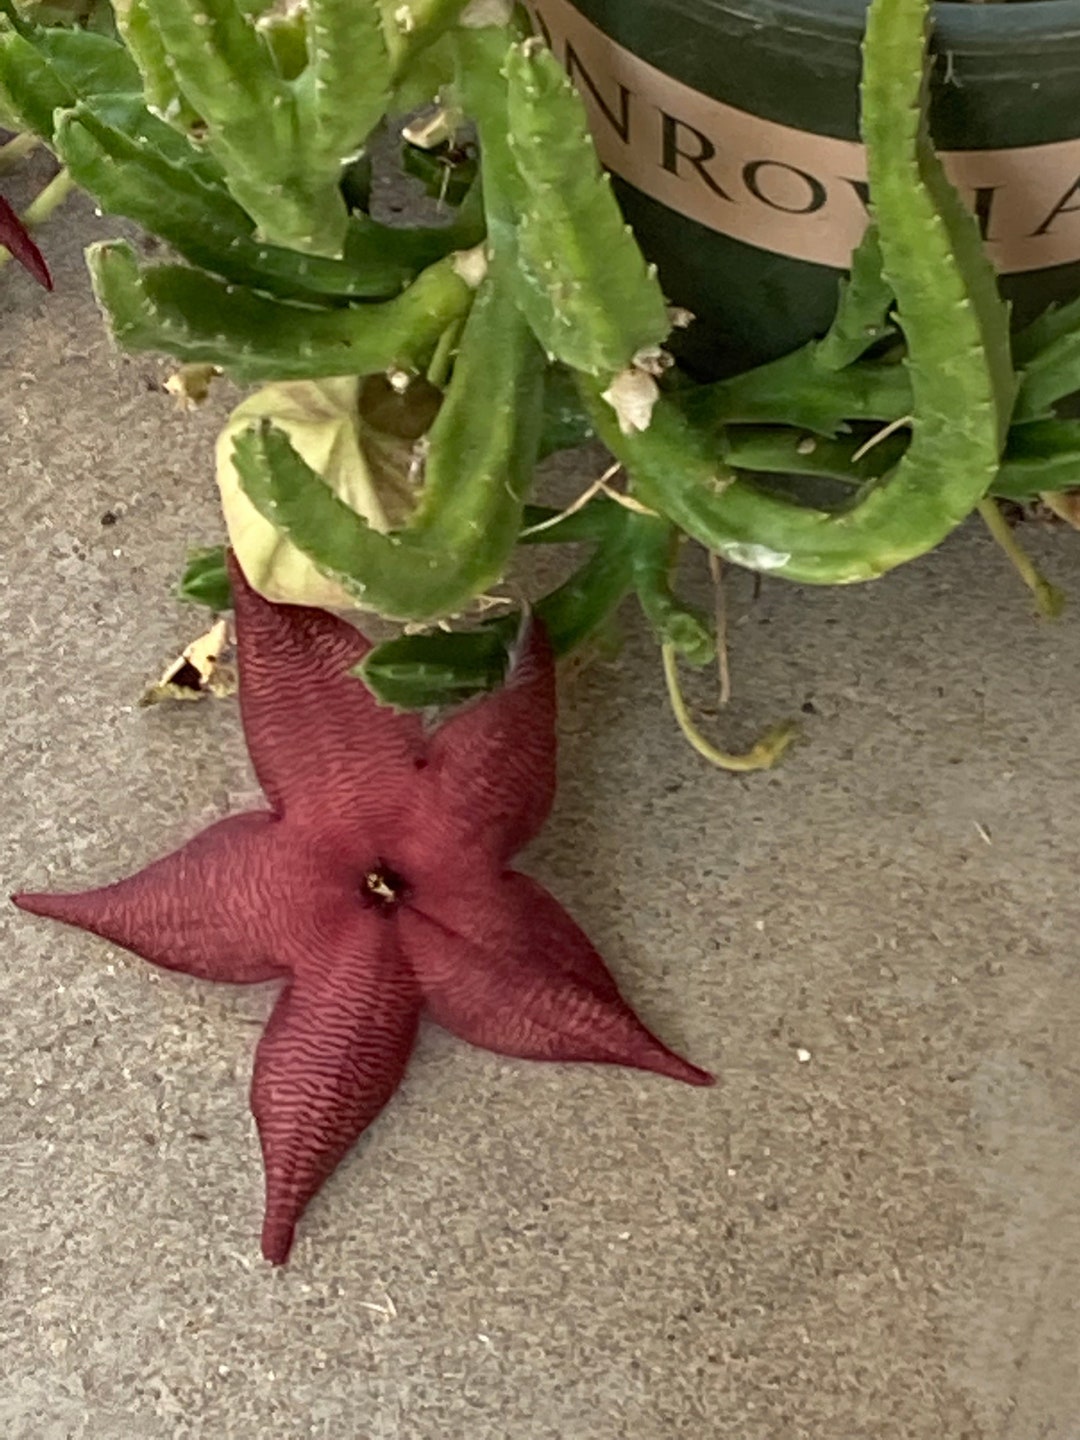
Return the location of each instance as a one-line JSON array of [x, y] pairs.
[[332, 1055], [202, 910], [322, 748], [492, 765], [503, 966], [15, 237]]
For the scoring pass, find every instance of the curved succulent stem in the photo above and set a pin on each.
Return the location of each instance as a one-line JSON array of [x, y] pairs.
[[480, 454], [582, 282], [962, 382], [421, 670], [147, 49], [198, 319], [675, 623], [763, 756], [282, 142]]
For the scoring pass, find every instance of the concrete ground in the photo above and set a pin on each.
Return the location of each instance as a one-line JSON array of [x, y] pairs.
[[868, 1231]]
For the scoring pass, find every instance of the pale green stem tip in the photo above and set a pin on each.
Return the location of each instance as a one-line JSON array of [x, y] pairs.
[[16, 150], [1049, 600], [762, 756]]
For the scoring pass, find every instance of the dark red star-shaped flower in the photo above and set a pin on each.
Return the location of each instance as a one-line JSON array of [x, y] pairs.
[[15, 237], [377, 886]]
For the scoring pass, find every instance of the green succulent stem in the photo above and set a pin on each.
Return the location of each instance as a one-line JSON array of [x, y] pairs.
[[582, 282], [416, 671], [428, 21], [863, 309], [799, 390], [764, 755], [442, 362], [962, 382], [480, 454], [197, 318], [1049, 600], [674, 622], [13, 152]]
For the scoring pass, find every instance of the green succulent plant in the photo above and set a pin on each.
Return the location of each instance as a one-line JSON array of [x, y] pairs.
[[526, 319]]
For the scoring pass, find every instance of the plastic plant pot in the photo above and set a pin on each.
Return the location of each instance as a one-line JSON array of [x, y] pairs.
[[731, 127]]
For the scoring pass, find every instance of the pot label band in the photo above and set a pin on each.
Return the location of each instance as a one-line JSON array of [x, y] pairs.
[[786, 190]]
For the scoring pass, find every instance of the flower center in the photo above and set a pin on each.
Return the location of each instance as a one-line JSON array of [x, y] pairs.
[[383, 889]]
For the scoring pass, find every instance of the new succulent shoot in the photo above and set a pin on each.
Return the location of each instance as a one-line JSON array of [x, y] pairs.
[[409, 378]]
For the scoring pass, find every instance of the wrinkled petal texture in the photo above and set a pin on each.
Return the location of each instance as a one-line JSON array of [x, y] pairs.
[[506, 968], [375, 887], [332, 1055], [15, 237], [325, 753], [201, 910], [491, 767]]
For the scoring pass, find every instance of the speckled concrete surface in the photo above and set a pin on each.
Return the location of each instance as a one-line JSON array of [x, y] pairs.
[[868, 1229]]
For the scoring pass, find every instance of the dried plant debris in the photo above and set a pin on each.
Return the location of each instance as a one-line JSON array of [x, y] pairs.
[[205, 668]]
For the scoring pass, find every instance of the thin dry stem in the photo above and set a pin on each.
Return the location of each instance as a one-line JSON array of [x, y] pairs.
[[882, 434], [723, 659], [598, 487]]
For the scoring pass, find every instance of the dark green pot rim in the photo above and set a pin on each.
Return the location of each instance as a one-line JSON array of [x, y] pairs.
[[1041, 25]]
